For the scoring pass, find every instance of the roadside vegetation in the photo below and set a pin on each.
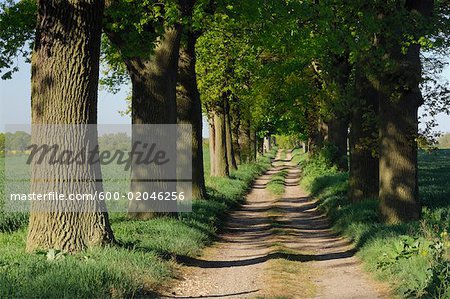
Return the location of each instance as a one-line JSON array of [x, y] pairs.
[[413, 257]]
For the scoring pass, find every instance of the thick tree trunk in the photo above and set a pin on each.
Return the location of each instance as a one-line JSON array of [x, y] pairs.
[[221, 167], [399, 198], [399, 190], [337, 133], [364, 163], [316, 133], [154, 82], [190, 112], [232, 165], [64, 91]]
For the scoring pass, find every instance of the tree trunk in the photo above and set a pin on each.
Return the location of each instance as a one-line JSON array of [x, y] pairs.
[[254, 143], [232, 165], [260, 145], [154, 82], [316, 133], [64, 91], [235, 130], [245, 141], [399, 198], [364, 162], [337, 133], [212, 144], [190, 111], [221, 166], [399, 190]]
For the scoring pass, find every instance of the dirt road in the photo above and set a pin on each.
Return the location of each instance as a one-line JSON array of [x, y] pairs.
[[277, 247]]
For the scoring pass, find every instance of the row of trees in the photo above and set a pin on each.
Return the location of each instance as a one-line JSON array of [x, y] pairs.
[[311, 68], [323, 69]]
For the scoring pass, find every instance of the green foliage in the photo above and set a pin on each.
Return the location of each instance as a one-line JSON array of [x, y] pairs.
[[288, 141], [136, 25], [17, 24], [413, 257]]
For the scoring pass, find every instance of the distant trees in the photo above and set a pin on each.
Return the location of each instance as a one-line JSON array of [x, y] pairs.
[[444, 141], [114, 141], [224, 65], [17, 141]]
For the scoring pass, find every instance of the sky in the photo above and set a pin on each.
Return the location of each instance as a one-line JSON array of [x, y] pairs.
[[15, 103]]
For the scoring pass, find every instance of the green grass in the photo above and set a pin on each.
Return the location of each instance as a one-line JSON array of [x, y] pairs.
[[276, 183], [298, 156], [283, 154], [141, 264], [413, 257]]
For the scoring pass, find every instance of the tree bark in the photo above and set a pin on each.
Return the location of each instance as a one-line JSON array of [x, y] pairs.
[[399, 198], [212, 144], [316, 129], [260, 146], [154, 81], [399, 190], [245, 141], [235, 131], [337, 133], [190, 111], [65, 70], [232, 165], [221, 167], [364, 162], [254, 142]]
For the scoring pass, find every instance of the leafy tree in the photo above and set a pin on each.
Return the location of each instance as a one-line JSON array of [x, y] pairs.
[[17, 24]]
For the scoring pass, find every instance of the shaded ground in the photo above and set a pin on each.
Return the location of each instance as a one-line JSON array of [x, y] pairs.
[[276, 247]]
